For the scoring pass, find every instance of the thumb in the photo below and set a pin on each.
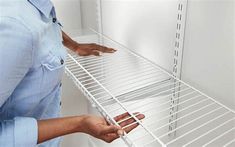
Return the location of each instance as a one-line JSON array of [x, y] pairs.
[[109, 129]]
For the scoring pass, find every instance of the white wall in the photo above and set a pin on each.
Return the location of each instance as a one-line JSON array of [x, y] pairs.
[[209, 58], [146, 26], [69, 14], [89, 13]]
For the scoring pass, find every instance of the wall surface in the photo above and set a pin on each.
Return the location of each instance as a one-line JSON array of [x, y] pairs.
[[89, 13], [69, 14], [209, 54], [146, 26]]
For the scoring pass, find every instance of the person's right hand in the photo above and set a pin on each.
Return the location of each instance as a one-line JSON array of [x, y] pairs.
[[98, 127]]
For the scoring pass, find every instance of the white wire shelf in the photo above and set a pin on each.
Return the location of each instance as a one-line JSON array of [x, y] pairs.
[[176, 113]]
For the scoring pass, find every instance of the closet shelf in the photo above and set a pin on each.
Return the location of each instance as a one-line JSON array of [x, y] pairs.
[[176, 113]]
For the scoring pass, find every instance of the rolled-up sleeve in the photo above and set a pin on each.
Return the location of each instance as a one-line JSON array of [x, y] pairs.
[[19, 132], [25, 132], [16, 53]]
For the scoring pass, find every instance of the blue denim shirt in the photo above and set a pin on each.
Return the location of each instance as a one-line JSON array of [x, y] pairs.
[[31, 67]]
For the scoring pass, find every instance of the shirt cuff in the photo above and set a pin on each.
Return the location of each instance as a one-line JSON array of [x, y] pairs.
[[26, 132]]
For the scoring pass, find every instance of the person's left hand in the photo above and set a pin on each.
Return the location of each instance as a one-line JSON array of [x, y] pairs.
[[92, 49], [98, 127], [85, 49]]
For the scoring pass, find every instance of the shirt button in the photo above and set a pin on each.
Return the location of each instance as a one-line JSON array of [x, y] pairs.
[[54, 20], [61, 61]]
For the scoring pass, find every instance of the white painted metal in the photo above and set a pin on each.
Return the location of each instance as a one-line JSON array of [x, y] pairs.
[[177, 61], [99, 15], [110, 86], [179, 37]]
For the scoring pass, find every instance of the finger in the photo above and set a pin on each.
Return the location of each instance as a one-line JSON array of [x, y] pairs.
[[95, 52], [122, 116], [131, 120], [127, 122], [109, 50], [127, 117], [130, 128], [104, 49], [133, 125], [109, 129]]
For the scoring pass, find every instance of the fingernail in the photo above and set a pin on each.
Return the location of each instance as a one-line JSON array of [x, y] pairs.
[[120, 132]]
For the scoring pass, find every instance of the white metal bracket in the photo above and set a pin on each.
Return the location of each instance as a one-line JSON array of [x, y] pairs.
[[178, 57], [99, 18]]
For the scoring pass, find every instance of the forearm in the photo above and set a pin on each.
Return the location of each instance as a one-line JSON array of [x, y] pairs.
[[52, 128], [69, 42]]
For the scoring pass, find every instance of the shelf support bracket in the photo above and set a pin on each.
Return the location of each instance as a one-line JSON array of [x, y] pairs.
[[177, 62]]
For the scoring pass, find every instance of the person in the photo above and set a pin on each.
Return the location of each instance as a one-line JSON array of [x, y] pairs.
[[32, 57]]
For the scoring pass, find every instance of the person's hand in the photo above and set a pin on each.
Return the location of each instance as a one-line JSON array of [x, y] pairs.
[[85, 49], [92, 49], [98, 127]]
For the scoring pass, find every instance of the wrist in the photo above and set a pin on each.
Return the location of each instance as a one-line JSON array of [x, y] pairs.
[[81, 123], [71, 44]]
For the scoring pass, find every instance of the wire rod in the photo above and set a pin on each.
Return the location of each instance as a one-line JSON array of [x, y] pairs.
[[165, 103], [200, 125], [158, 67], [229, 143], [177, 118], [130, 97], [218, 137], [136, 119], [103, 110], [126, 82], [208, 132]]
